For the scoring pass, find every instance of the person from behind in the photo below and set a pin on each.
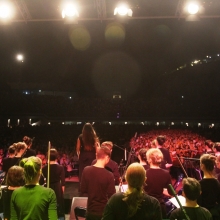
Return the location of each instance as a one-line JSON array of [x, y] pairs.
[[56, 180], [191, 192], [33, 201], [98, 184], [111, 166], [8, 161], [29, 152], [210, 187], [86, 146], [143, 158], [167, 161], [14, 180], [134, 204], [158, 179]]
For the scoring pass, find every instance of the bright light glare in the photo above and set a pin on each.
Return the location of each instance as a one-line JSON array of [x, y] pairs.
[[123, 10], [20, 57], [5, 11], [70, 10], [193, 8]]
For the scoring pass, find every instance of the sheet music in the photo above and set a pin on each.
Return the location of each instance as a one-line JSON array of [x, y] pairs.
[[181, 199]]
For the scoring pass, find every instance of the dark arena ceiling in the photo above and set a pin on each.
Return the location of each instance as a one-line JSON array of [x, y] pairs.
[[50, 10], [99, 54]]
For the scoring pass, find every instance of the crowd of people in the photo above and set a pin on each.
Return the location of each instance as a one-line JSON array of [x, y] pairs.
[[148, 179]]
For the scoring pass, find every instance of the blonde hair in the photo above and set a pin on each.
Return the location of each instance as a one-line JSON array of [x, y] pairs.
[[32, 166], [135, 176], [155, 155]]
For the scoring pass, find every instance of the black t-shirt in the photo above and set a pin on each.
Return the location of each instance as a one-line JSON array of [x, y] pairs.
[[166, 157], [194, 213], [210, 195]]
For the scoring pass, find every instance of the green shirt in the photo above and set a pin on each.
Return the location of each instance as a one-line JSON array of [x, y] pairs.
[[33, 202]]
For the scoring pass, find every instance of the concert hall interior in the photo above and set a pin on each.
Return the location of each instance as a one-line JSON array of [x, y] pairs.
[[97, 85]]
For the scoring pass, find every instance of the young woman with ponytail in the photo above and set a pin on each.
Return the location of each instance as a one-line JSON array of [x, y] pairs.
[[134, 203], [33, 201]]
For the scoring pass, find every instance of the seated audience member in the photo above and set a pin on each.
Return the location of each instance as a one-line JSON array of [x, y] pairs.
[[218, 167], [1, 158], [191, 192], [98, 183], [14, 179], [208, 147], [33, 201], [216, 149], [143, 158], [134, 204], [111, 166], [210, 187], [158, 179]]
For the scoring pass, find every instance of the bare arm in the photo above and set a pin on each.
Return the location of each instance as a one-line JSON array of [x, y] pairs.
[[78, 147]]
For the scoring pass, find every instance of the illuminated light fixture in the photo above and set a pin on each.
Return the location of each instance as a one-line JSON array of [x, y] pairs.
[[193, 8], [63, 123], [196, 61], [30, 121], [9, 122], [109, 122], [187, 124], [70, 13], [93, 123], [79, 123], [142, 123], [48, 123], [123, 10], [126, 122], [6, 11], [157, 123], [20, 58], [172, 123], [192, 11], [199, 124]]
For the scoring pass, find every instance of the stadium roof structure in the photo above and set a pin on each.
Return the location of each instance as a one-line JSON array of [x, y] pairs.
[[50, 10]]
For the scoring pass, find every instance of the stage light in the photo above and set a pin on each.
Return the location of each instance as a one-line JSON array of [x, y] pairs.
[[69, 10], [126, 123], [20, 58], [110, 123], [6, 10], [123, 10], [193, 8], [157, 123], [172, 123]]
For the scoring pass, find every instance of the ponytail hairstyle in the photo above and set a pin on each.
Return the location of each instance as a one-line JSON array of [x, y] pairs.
[[135, 177], [32, 166], [208, 161], [27, 140], [19, 146], [155, 155]]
